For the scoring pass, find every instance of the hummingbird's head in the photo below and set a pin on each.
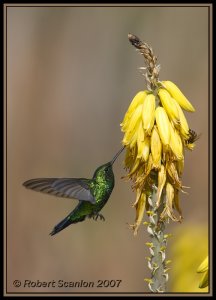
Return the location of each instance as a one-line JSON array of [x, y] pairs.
[[105, 172]]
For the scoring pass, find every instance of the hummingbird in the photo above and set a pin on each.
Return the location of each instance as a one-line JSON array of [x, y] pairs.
[[92, 193]]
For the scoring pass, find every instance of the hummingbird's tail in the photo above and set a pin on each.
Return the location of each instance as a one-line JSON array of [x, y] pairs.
[[66, 222]]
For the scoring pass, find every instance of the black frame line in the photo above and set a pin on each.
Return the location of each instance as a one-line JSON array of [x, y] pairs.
[[177, 294]]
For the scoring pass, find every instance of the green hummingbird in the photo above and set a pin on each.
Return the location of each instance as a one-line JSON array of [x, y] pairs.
[[92, 194]]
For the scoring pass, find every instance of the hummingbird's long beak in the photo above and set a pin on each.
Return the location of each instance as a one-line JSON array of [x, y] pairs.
[[115, 157]]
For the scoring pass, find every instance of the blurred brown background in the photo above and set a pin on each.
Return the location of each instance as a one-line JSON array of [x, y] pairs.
[[71, 76]]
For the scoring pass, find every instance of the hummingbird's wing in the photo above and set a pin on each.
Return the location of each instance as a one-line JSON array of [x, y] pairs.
[[77, 188]]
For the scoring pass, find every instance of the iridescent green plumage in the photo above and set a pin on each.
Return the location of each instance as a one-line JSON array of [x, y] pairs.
[[92, 194]]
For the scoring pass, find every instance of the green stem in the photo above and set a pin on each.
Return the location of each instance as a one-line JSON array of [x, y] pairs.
[[157, 247]]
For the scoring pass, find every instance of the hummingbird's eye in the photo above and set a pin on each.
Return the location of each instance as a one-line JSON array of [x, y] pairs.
[[106, 169]]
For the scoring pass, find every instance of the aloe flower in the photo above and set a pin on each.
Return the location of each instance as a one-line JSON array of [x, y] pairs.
[[156, 133]]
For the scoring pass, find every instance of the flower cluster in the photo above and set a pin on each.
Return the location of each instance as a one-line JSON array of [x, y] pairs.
[[155, 135]]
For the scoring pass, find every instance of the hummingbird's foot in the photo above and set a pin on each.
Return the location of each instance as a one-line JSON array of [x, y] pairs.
[[101, 217], [96, 215]]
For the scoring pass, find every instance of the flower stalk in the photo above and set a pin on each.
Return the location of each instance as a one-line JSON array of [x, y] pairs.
[[157, 248], [156, 133]]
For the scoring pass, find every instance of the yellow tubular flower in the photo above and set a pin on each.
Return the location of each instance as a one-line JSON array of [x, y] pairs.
[[172, 171], [163, 125], [156, 148], [184, 128], [134, 118], [145, 170], [203, 268], [140, 140], [129, 159], [132, 125], [128, 137], [178, 96], [161, 183], [169, 105], [135, 166], [146, 149], [170, 193], [204, 281], [177, 204], [148, 113], [137, 100], [133, 140], [180, 166], [140, 133], [140, 146], [176, 143], [138, 194], [140, 209]]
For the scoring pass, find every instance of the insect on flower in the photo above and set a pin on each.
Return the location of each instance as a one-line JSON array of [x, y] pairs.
[[193, 137]]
